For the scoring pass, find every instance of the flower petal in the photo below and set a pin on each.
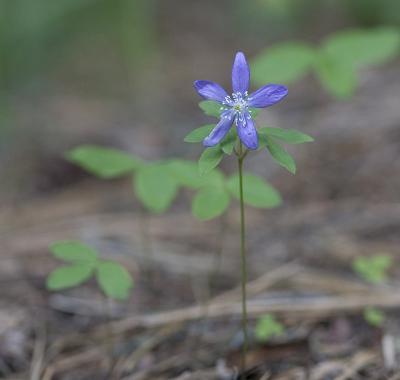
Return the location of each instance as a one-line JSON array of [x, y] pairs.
[[240, 74], [221, 129], [267, 95], [210, 90], [247, 131]]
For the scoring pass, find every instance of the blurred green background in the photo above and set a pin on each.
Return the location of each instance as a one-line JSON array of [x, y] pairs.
[[120, 72]]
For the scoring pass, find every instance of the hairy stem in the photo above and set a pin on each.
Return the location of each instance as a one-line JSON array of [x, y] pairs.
[[243, 260]]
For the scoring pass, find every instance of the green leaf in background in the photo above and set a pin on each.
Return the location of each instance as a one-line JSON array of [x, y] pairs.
[[210, 202], [155, 187], [114, 280], [339, 79], [279, 154], [228, 143], [289, 136], [69, 276], [199, 134], [210, 108], [363, 47], [284, 63], [187, 174], [257, 192], [73, 251], [374, 316], [103, 162], [210, 158], [373, 269], [268, 327]]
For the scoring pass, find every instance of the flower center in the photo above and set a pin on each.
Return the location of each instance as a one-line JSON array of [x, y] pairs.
[[238, 102]]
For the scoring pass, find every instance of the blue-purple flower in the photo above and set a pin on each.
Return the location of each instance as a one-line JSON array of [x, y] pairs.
[[237, 107]]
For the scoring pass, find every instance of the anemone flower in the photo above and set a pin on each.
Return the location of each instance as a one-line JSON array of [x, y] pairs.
[[237, 107]]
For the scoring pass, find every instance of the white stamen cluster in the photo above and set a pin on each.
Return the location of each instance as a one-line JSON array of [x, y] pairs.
[[238, 102]]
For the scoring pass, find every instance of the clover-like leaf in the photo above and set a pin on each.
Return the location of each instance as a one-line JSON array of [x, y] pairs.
[[289, 136], [336, 77], [73, 251], [284, 63], [199, 134], [279, 154], [363, 47], [268, 327], [210, 202], [69, 276], [115, 281], [155, 187], [187, 174], [103, 162], [210, 158], [256, 192], [210, 108]]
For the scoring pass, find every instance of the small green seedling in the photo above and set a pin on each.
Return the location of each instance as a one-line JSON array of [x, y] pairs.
[[82, 263], [268, 327], [373, 269], [374, 316]]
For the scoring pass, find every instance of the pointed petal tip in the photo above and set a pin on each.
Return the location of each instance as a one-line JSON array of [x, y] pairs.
[[210, 90]]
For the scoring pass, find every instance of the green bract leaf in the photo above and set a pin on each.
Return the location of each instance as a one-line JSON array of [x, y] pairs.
[[279, 154], [210, 108], [363, 47], [268, 327], [373, 269], [69, 276], [199, 134], [114, 280], [256, 191], [283, 63], [187, 174], [73, 251], [374, 316], [335, 76], [289, 136], [155, 187], [228, 143], [210, 202], [210, 159], [103, 162]]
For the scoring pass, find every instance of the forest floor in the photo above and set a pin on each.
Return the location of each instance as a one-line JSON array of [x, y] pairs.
[[183, 318]]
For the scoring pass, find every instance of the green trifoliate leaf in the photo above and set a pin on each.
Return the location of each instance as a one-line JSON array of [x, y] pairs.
[[210, 202], [279, 154], [283, 63], [210, 108], [199, 134], [256, 192], [289, 136], [268, 327], [115, 281], [187, 174], [210, 158], [103, 162], [363, 47], [228, 143], [336, 77], [69, 276], [374, 317], [373, 269], [73, 251], [155, 187]]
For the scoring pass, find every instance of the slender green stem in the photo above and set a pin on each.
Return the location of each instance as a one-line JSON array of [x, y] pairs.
[[243, 259]]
